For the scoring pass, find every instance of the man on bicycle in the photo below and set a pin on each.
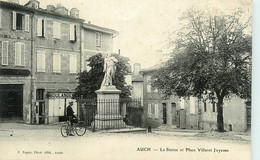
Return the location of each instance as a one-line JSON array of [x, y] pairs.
[[71, 116]]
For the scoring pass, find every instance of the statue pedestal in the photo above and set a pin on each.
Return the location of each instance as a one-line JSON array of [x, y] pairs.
[[108, 112]]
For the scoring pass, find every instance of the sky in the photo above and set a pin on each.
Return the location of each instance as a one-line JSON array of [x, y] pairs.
[[143, 25]]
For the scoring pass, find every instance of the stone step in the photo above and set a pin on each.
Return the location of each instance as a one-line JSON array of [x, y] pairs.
[[125, 130]]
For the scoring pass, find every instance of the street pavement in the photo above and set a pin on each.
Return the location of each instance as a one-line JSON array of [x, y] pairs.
[[29, 142]]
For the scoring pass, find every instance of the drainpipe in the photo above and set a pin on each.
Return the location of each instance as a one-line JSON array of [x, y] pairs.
[[32, 71]]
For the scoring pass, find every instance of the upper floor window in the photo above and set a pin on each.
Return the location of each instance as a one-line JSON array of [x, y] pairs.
[[73, 32], [56, 63], [21, 21], [4, 52], [40, 61], [98, 39], [19, 54], [41, 26], [73, 63], [56, 30]]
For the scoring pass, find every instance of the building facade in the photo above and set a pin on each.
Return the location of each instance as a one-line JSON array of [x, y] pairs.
[[15, 62], [191, 112], [96, 39], [42, 51]]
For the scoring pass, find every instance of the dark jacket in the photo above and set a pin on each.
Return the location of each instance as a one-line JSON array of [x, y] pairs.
[[70, 111]]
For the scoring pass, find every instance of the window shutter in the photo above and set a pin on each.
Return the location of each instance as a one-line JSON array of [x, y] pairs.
[[72, 32], [59, 63], [5, 53], [40, 61], [39, 27], [18, 53], [27, 19], [149, 110], [56, 30], [44, 25], [14, 20], [22, 54], [0, 18]]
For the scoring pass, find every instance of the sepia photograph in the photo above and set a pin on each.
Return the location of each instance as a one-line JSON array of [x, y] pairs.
[[126, 79]]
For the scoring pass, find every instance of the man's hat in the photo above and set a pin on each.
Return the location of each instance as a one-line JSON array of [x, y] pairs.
[[70, 102]]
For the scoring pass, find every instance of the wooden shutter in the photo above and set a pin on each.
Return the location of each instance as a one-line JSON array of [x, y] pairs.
[[14, 20], [18, 53], [27, 22], [44, 25], [5, 53], [0, 18], [22, 54], [56, 63], [39, 27], [56, 30], [72, 32], [40, 61]]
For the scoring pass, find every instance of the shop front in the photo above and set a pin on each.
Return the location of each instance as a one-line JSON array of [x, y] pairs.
[[57, 103]]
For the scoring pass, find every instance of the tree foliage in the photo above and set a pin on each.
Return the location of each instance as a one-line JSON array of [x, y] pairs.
[[90, 81], [212, 57]]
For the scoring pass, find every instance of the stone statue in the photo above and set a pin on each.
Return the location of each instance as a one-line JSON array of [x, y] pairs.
[[109, 69]]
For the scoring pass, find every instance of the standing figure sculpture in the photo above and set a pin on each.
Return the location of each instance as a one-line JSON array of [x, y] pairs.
[[109, 69]]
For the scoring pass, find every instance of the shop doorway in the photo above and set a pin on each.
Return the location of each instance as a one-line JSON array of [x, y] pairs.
[[11, 102]]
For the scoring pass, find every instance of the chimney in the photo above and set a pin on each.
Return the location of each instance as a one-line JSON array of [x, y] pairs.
[[137, 68], [74, 12], [61, 10], [50, 8], [13, 1]]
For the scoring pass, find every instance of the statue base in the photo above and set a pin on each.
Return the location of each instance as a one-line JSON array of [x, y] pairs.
[[108, 112]]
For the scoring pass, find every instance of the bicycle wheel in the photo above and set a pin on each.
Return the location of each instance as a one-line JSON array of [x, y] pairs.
[[65, 129], [80, 128]]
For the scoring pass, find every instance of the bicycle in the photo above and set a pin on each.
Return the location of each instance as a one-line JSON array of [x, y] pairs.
[[79, 127]]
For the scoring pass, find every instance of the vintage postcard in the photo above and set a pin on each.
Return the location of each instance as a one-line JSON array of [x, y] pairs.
[[126, 79]]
